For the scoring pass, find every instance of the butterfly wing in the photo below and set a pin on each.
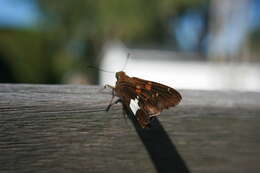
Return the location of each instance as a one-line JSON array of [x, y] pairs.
[[157, 96], [146, 99], [131, 101]]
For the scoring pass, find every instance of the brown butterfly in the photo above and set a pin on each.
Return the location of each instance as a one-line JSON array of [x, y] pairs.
[[145, 99]]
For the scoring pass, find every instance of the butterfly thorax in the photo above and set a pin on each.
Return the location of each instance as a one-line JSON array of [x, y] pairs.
[[121, 76], [122, 82]]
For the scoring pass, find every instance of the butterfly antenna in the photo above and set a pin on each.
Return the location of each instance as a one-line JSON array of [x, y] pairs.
[[100, 69], [127, 58]]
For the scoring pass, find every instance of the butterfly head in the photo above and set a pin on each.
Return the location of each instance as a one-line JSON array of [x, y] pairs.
[[120, 75]]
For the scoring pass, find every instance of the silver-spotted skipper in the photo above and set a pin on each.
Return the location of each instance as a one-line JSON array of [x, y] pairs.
[[145, 99]]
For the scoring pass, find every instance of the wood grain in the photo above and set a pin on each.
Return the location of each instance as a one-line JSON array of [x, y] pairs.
[[64, 128]]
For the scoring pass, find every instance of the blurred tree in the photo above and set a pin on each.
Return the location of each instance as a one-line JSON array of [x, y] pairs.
[[86, 24], [71, 35], [253, 45], [22, 51]]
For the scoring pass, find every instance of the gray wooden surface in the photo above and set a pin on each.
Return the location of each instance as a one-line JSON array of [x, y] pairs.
[[64, 128]]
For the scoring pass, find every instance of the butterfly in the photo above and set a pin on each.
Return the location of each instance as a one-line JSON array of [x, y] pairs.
[[145, 99]]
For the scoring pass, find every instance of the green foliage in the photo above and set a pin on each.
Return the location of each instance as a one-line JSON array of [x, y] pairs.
[[127, 20], [73, 32], [29, 57]]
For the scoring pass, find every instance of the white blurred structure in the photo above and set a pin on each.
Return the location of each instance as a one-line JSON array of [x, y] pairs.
[[166, 67]]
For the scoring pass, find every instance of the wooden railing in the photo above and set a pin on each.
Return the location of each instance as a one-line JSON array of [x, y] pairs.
[[64, 128]]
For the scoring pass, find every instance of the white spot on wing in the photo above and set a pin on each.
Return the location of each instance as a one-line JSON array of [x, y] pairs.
[[134, 105]]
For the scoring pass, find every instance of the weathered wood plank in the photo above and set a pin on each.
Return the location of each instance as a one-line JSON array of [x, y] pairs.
[[63, 128]]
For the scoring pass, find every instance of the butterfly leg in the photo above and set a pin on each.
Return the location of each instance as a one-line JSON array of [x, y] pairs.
[[108, 86], [112, 103], [113, 96], [105, 87], [124, 113]]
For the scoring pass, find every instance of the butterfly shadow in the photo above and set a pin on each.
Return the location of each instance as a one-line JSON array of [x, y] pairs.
[[161, 149]]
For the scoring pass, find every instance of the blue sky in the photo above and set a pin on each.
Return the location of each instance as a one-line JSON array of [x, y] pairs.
[[18, 13]]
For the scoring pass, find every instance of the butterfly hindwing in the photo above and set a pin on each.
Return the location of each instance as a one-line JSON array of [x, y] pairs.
[[134, 102], [143, 118]]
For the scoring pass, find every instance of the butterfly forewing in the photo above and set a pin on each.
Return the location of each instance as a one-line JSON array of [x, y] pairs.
[[144, 98], [159, 95]]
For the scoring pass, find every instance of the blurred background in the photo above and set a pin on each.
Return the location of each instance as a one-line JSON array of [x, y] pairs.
[[191, 44]]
